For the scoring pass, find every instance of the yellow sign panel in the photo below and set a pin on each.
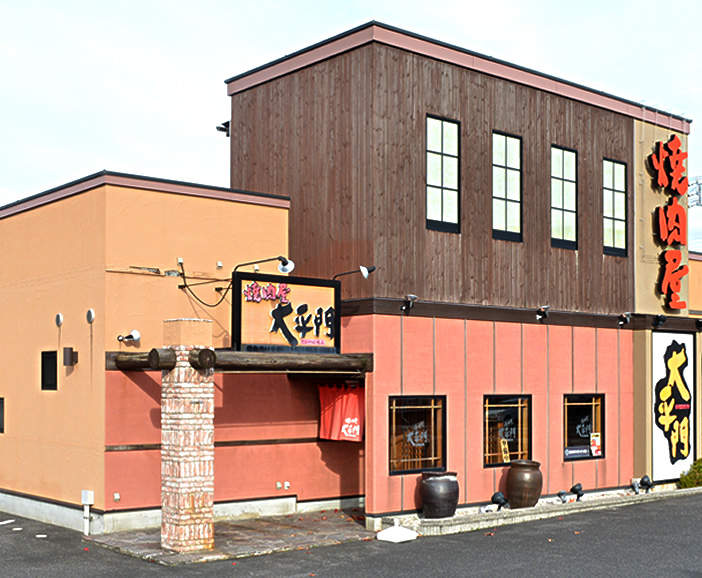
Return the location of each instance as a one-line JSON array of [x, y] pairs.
[[276, 313]]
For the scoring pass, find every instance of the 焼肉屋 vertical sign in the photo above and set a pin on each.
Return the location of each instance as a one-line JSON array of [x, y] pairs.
[[668, 169], [277, 313], [673, 397]]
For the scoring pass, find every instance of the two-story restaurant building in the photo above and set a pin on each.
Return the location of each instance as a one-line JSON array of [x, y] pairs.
[[531, 300]]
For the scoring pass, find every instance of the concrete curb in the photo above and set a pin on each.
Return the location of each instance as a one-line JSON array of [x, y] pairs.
[[473, 519]]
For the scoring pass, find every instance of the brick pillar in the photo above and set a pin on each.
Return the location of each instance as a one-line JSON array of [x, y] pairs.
[[187, 441]]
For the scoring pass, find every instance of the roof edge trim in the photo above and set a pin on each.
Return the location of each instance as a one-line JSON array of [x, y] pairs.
[[141, 182]]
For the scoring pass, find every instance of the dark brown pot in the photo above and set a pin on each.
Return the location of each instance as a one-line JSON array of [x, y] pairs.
[[439, 494], [524, 482]]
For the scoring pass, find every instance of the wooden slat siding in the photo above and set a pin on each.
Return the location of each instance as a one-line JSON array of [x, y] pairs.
[[345, 139]]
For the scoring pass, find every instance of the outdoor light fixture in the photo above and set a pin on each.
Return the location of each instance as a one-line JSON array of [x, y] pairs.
[[635, 486], [577, 489], [624, 319], [409, 303], [285, 265], [698, 324], [134, 336], [563, 496], [224, 127], [499, 499], [658, 320], [70, 356], [646, 483], [542, 313], [365, 271]]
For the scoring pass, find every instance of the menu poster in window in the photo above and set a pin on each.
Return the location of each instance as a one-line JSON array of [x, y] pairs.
[[595, 444], [278, 313], [672, 394]]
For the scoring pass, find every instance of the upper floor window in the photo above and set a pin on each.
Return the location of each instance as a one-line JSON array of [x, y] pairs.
[[442, 175], [564, 205], [506, 187], [614, 207]]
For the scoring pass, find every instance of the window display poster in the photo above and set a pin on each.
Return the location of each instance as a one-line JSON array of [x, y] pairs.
[[673, 402]]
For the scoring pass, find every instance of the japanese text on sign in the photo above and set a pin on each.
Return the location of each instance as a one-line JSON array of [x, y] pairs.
[[668, 170], [672, 404], [321, 323]]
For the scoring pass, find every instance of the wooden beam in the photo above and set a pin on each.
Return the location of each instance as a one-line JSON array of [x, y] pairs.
[[230, 360]]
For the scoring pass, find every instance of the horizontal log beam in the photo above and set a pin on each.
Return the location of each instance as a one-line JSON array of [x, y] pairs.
[[244, 361], [230, 360]]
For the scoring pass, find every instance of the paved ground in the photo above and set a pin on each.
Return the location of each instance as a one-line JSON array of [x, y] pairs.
[[251, 537]]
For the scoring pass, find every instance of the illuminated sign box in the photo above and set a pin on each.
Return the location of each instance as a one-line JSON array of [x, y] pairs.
[[290, 314]]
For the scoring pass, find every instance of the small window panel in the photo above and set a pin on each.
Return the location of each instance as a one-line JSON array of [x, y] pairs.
[[614, 207], [2, 415], [507, 429], [564, 202], [49, 371], [506, 187], [443, 207], [417, 434], [583, 427]]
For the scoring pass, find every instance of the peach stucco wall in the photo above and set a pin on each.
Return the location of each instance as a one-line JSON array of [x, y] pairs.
[[89, 251], [466, 360]]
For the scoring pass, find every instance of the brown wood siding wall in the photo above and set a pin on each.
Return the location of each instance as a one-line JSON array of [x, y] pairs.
[[346, 140]]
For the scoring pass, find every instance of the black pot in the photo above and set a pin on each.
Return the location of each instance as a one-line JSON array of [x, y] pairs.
[[524, 483], [439, 494]]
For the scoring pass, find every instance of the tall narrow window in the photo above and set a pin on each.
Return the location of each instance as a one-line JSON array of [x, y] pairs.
[[614, 207], [417, 438], [49, 370], [583, 423], [442, 175], [506, 187], [2, 415], [564, 202], [507, 428]]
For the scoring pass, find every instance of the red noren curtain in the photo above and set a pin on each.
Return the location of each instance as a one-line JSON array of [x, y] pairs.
[[343, 413]]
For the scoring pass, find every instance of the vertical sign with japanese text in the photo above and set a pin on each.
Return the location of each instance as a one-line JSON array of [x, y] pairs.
[[666, 164], [673, 398], [277, 313]]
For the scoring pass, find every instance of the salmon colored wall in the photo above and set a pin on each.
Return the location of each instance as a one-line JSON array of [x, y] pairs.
[[466, 360], [695, 284], [249, 409], [53, 262], [85, 252]]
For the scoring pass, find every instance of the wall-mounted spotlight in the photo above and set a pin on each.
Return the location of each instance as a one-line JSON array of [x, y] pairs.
[[365, 271], [134, 336], [59, 319], [90, 315], [698, 324], [542, 313], [658, 320], [224, 127], [624, 318], [409, 303], [285, 265]]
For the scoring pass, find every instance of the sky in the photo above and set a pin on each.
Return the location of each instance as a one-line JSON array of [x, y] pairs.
[[138, 86]]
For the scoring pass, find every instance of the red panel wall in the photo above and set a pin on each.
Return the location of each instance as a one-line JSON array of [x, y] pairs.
[[466, 360]]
